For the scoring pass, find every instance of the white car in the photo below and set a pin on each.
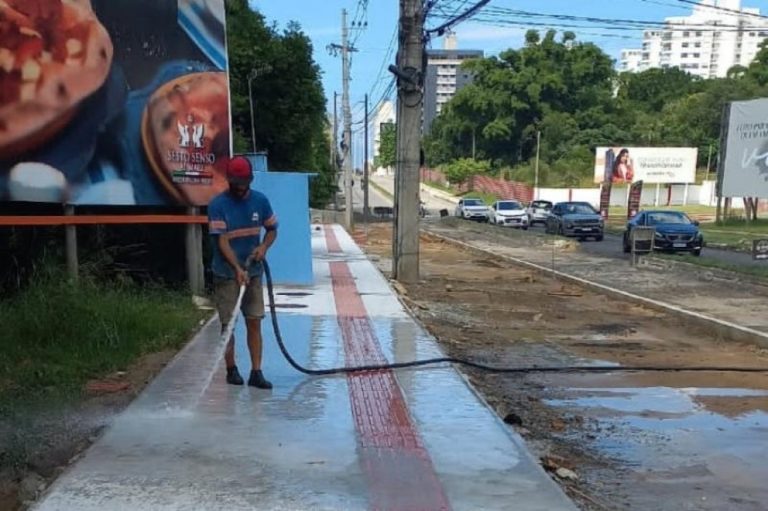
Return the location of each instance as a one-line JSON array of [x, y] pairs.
[[538, 211], [472, 209], [509, 213]]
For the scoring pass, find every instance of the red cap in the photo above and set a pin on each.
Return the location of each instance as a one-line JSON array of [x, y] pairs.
[[239, 170]]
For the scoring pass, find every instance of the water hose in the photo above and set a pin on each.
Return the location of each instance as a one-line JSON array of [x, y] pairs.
[[459, 361]]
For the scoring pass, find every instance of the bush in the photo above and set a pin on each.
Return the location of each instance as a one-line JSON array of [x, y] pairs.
[[462, 169]]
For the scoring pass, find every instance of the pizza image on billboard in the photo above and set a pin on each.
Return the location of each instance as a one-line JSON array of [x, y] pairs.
[[113, 102]]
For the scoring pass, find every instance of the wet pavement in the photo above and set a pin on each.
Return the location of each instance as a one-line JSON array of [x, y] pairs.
[[702, 447], [415, 439]]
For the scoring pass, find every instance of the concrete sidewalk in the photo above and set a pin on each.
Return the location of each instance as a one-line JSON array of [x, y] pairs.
[[415, 439]]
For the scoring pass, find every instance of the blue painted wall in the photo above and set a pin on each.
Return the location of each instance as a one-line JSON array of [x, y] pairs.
[[258, 161], [290, 258]]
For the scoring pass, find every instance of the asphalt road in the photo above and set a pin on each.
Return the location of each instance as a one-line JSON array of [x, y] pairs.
[[609, 247]]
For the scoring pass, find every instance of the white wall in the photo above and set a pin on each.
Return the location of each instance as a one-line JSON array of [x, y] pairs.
[[697, 195]]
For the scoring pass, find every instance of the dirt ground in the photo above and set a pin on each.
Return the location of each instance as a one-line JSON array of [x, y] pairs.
[[487, 310], [38, 441]]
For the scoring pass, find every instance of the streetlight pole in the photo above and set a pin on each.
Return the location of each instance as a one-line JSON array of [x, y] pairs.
[[252, 76], [536, 177]]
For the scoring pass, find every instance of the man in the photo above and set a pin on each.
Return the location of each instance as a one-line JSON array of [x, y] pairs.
[[236, 218]]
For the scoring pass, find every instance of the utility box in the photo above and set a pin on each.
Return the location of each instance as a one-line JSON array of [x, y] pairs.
[[290, 258], [641, 242]]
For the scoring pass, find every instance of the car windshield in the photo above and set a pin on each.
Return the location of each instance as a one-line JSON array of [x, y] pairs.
[[578, 209], [473, 202], [541, 204], [509, 205], [667, 217]]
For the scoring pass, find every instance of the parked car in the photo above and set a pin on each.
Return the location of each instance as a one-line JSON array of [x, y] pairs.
[[675, 231], [472, 209], [538, 211], [509, 213], [575, 219]]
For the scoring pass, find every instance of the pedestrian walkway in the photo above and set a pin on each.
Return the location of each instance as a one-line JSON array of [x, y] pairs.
[[412, 440]]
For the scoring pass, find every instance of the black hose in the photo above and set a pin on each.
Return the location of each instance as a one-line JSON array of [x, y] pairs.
[[469, 363]]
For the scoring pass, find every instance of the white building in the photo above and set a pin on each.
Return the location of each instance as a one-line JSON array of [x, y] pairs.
[[385, 114], [718, 35]]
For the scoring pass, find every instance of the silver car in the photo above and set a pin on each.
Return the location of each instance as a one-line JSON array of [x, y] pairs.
[[538, 211]]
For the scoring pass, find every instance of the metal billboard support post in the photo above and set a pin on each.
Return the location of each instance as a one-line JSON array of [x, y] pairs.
[[194, 251], [70, 236]]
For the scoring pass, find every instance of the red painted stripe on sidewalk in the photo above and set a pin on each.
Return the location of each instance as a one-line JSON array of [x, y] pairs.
[[392, 454], [331, 242]]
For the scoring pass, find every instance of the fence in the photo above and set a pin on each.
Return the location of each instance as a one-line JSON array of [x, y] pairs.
[[484, 184]]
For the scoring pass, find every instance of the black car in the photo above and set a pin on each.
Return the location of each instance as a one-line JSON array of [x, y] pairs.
[[575, 219], [675, 231]]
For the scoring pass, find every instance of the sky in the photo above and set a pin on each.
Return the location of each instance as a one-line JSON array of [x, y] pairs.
[[321, 20]]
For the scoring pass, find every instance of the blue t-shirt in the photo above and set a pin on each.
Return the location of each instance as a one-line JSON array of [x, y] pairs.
[[242, 219]]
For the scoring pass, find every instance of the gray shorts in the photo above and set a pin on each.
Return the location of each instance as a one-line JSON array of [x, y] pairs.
[[226, 292]]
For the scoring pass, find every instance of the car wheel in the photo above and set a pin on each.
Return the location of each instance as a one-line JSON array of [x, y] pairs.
[[599, 238], [560, 230], [625, 245], [697, 253], [525, 227]]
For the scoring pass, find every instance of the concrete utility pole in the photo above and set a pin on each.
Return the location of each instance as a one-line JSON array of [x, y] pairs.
[[365, 165], [405, 253], [346, 143], [335, 152], [349, 212]]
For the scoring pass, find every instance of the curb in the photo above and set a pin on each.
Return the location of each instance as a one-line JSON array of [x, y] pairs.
[[722, 329]]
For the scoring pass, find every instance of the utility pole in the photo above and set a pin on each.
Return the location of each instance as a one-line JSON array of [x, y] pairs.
[[536, 172], [349, 216], [365, 165], [409, 71], [335, 149], [346, 142]]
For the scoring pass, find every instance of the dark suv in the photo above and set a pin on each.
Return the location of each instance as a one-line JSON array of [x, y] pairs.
[[576, 219]]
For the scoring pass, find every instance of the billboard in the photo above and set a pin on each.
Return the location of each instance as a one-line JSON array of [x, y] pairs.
[[113, 102], [744, 167], [623, 165]]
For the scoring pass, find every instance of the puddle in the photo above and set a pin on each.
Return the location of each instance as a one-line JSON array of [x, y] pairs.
[[681, 442]]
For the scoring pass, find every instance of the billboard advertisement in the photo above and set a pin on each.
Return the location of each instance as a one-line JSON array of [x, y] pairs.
[[744, 169], [624, 165], [113, 102]]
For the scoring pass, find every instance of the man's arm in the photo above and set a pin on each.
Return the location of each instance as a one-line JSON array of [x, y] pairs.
[[270, 225], [219, 229], [241, 274]]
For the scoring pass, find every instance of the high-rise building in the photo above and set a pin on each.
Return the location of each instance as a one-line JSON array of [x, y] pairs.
[[444, 77], [718, 35]]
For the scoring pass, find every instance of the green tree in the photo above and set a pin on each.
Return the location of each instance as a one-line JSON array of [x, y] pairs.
[[288, 99], [387, 156]]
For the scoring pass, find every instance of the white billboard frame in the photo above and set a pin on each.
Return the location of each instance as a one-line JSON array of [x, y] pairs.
[[743, 165], [652, 165]]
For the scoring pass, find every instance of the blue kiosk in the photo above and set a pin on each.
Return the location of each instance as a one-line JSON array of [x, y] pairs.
[[290, 258]]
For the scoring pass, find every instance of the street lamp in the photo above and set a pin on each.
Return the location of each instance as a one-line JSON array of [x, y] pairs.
[[266, 68]]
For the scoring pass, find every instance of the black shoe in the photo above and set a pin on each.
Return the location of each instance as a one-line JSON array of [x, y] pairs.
[[257, 380], [233, 376]]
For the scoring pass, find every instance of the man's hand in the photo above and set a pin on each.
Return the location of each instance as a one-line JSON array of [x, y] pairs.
[[242, 277], [259, 253]]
